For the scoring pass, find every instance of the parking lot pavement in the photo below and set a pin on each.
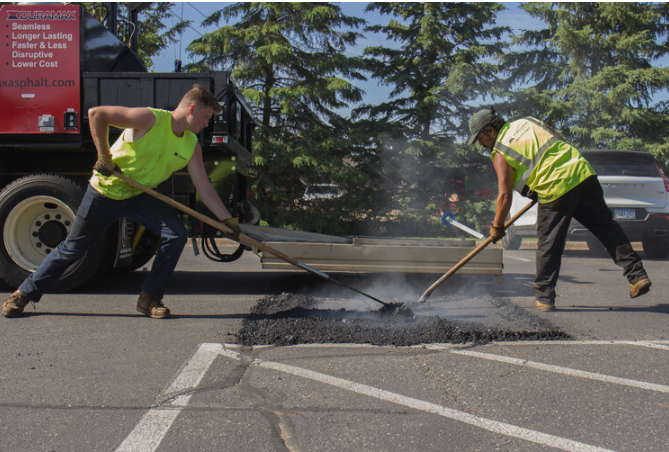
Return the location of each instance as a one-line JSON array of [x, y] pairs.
[[85, 372], [593, 296], [425, 398]]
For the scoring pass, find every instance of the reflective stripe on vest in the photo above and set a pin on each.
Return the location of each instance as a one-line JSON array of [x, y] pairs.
[[532, 163]]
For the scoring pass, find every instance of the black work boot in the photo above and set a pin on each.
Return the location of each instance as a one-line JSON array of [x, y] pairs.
[[152, 307], [14, 305]]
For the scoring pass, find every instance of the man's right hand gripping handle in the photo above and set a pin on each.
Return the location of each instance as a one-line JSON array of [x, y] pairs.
[[105, 165]]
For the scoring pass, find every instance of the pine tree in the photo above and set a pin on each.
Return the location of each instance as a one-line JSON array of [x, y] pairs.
[[152, 34], [289, 61], [442, 63], [591, 73]]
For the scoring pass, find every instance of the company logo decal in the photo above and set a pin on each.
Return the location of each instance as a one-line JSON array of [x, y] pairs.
[[41, 15]]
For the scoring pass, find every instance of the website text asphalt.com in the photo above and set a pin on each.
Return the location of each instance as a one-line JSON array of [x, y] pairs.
[[41, 82]]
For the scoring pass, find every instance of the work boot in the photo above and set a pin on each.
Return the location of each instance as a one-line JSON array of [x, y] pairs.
[[544, 307], [640, 287], [152, 307], [14, 305]]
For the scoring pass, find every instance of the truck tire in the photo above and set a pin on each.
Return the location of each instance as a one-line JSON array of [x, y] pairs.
[[144, 251], [36, 213]]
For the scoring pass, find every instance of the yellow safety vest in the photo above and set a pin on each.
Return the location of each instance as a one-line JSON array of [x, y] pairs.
[[150, 160], [547, 165]]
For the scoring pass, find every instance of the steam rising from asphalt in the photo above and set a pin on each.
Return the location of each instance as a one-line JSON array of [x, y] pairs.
[[468, 299]]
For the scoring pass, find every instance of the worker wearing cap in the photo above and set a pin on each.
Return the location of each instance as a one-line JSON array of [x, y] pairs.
[[154, 144], [533, 159]]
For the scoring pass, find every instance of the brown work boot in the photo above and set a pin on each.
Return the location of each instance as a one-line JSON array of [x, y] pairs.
[[640, 287], [14, 305], [544, 307], [152, 307]]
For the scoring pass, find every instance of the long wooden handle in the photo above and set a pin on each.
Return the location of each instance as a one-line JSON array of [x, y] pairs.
[[205, 219], [469, 257], [242, 237]]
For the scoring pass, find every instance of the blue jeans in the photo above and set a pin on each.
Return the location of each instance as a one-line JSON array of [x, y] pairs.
[[96, 213]]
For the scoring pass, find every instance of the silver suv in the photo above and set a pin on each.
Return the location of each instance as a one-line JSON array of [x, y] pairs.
[[636, 191]]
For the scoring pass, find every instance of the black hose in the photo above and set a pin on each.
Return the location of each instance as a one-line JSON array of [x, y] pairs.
[[210, 249]]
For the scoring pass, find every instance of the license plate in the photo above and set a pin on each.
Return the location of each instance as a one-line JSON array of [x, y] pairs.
[[624, 214]]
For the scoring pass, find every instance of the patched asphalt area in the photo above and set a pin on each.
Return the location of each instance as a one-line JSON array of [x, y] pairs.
[[289, 319]]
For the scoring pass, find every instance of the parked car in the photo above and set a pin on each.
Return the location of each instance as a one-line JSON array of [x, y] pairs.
[[636, 191], [315, 192]]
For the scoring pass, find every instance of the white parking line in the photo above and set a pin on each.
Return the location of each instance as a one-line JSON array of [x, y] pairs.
[[153, 427], [658, 345], [565, 371], [502, 428], [519, 258]]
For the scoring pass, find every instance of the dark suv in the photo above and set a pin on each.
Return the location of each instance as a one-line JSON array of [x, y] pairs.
[[636, 191]]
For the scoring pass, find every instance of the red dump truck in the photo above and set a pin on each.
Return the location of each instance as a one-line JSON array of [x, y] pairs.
[[57, 62]]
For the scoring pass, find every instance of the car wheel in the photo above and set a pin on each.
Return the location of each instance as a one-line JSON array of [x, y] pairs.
[[511, 241], [36, 214], [655, 248]]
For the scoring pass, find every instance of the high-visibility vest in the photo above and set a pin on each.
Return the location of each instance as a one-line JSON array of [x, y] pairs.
[[541, 161], [150, 160]]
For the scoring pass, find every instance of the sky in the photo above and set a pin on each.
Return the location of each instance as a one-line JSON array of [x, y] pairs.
[[513, 17]]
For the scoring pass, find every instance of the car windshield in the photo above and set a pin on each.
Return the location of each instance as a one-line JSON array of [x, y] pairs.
[[623, 165], [322, 189]]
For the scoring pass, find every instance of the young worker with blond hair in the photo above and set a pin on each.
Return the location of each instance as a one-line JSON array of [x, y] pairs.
[[154, 144]]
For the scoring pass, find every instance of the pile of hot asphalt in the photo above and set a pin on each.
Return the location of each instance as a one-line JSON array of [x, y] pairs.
[[290, 319]]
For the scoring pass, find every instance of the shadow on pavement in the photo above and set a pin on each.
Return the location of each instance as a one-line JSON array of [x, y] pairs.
[[657, 309], [132, 315]]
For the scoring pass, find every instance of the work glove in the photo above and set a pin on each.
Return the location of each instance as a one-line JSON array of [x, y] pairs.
[[105, 165], [233, 223], [497, 233], [526, 192]]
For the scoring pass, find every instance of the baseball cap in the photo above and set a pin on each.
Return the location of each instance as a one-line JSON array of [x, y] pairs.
[[478, 121]]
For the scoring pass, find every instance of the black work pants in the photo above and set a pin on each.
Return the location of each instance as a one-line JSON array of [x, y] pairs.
[[585, 203]]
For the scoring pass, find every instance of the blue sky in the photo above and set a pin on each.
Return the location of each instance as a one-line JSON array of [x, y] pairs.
[[514, 17]]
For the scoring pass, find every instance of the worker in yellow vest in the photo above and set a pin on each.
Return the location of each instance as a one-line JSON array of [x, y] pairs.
[[154, 144], [533, 159]]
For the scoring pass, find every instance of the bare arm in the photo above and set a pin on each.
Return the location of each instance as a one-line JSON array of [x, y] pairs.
[[198, 175], [505, 175], [100, 118]]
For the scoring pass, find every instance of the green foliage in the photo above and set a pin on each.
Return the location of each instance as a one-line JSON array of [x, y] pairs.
[[289, 59], [442, 63], [591, 70], [152, 35], [590, 73]]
